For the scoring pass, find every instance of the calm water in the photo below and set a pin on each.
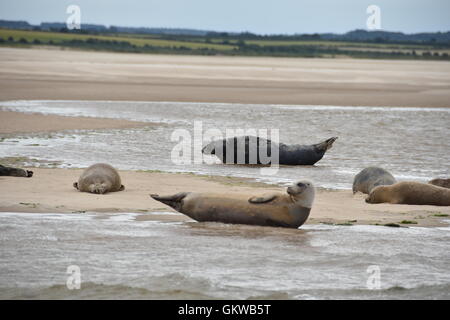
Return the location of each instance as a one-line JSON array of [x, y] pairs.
[[412, 143], [122, 257]]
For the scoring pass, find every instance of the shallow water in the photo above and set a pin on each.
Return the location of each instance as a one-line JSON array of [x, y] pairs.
[[121, 257], [412, 143]]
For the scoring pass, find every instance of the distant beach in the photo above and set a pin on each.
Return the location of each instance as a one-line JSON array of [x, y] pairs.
[[85, 75]]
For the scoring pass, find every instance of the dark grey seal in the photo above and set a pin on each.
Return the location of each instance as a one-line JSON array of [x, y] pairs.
[[370, 178], [295, 154], [15, 172]]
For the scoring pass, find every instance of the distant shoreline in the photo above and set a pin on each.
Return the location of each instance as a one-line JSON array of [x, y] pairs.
[[42, 74]]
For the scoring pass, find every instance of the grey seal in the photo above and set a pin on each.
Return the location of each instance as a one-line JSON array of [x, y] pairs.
[[445, 183], [15, 172], [99, 178], [289, 210], [295, 154], [370, 177], [408, 192]]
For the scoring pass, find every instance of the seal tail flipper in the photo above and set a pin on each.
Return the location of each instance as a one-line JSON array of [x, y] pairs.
[[174, 201], [209, 149], [327, 144]]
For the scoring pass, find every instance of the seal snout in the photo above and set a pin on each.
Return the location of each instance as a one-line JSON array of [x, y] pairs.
[[295, 190], [98, 188], [289, 190]]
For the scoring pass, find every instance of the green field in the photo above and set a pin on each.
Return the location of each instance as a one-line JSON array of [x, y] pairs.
[[137, 40], [339, 44], [224, 45]]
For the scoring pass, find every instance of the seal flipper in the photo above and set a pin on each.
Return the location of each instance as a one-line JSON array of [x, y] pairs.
[[325, 145], [122, 187], [262, 199], [75, 185], [209, 148], [175, 201]]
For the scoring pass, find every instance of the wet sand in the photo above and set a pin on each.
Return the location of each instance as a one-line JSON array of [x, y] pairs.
[[17, 122], [78, 75], [51, 190]]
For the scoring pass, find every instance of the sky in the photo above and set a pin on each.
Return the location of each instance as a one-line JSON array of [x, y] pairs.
[[258, 16]]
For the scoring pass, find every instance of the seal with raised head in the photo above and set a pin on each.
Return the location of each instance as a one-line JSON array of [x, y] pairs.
[[288, 210], [15, 172], [371, 177], [445, 183], [250, 151], [408, 192], [99, 178]]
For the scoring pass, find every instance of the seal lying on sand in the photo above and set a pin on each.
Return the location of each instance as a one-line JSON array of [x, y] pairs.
[[371, 177], [410, 193], [15, 172], [277, 210], [445, 183], [99, 178], [288, 154]]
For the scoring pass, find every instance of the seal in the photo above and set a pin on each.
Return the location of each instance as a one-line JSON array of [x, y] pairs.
[[99, 178], [15, 172], [445, 183], [371, 177], [408, 192], [288, 210], [250, 151]]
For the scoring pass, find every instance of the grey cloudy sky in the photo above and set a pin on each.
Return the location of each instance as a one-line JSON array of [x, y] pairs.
[[259, 16]]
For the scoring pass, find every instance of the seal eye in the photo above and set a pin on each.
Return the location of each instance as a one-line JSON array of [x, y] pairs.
[[300, 184]]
